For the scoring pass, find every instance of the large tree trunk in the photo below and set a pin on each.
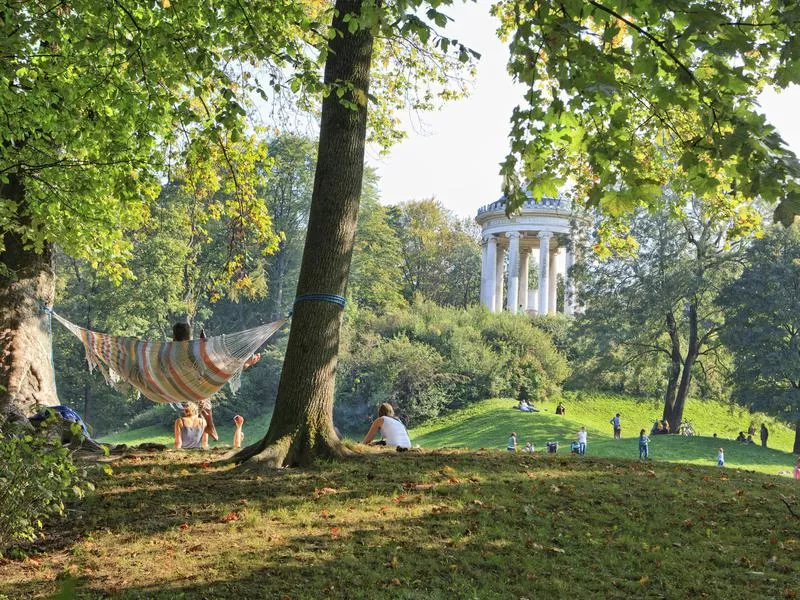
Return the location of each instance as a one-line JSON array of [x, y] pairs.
[[302, 424], [674, 373], [796, 448], [692, 352], [27, 280]]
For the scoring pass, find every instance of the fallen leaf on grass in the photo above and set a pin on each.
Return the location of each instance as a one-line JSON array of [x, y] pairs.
[[205, 465], [410, 485], [454, 480], [231, 516], [768, 486], [644, 580], [477, 502], [183, 526], [556, 549], [334, 532], [325, 491]]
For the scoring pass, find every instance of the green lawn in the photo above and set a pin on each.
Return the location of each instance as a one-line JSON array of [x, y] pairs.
[[424, 525], [488, 424]]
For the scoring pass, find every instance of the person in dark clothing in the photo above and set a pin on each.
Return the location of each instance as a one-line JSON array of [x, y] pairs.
[[764, 435]]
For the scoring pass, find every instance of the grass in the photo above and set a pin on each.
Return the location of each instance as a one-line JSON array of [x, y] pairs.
[[488, 424], [426, 524]]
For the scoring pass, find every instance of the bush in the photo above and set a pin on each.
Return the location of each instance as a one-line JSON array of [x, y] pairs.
[[428, 359], [36, 477]]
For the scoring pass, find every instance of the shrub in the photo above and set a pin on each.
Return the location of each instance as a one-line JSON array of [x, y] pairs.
[[36, 477], [427, 359]]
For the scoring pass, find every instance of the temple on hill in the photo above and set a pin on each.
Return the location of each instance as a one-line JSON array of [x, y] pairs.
[[540, 230]]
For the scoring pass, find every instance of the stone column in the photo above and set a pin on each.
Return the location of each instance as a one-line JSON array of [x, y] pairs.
[[553, 281], [513, 271], [488, 271], [524, 257], [499, 264], [569, 288], [544, 270]]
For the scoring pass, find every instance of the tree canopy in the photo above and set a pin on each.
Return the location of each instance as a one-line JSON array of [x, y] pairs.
[[623, 97]]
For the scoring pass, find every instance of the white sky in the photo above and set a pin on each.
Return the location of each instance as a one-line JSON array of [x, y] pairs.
[[455, 155]]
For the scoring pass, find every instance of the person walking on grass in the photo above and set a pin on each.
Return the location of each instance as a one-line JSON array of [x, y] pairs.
[[644, 448], [721, 458], [617, 427], [512, 442], [582, 441], [764, 435]]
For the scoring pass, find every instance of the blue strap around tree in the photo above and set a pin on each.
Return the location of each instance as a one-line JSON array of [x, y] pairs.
[[332, 298]]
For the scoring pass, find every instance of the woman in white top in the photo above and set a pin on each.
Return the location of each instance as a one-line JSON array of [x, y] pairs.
[[391, 429]]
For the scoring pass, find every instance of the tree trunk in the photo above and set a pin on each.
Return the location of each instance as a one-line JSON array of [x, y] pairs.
[[27, 278], [302, 424], [796, 448], [692, 352], [674, 372]]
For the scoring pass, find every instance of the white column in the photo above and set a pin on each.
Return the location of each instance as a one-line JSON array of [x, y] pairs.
[[553, 281], [524, 257], [513, 271], [487, 271], [499, 264], [569, 288], [544, 270]]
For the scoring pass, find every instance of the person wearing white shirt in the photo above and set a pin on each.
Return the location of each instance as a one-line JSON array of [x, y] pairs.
[[582, 441], [392, 430]]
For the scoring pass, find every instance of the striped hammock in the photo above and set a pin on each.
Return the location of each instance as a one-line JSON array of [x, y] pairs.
[[169, 372]]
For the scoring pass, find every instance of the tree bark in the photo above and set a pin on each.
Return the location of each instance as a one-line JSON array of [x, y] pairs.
[[796, 448], [27, 280], [692, 352], [674, 372], [302, 424]]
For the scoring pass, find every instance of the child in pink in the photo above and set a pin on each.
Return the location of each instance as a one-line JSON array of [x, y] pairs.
[[797, 469]]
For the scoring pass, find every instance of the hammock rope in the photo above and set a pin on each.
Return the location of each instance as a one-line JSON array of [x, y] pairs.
[[169, 372]]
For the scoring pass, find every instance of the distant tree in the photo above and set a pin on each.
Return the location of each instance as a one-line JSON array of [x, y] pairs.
[[376, 272], [441, 254], [762, 327], [288, 197], [654, 307]]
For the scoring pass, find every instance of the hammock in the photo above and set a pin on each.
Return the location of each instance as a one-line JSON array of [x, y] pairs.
[[168, 372]]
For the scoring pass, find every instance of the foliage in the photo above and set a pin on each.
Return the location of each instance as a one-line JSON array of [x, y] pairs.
[[441, 253], [37, 476], [651, 320], [74, 81], [427, 359], [376, 268], [624, 97], [762, 325], [435, 525]]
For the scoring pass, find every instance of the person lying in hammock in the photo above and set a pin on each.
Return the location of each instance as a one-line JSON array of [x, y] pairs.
[[181, 332]]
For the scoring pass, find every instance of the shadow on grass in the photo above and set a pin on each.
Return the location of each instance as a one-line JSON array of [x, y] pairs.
[[438, 525]]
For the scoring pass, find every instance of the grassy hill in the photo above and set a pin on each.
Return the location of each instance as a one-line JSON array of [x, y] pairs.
[[424, 525], [489, 423]]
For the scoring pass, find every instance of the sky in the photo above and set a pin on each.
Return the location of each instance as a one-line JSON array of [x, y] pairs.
[[454, 155]]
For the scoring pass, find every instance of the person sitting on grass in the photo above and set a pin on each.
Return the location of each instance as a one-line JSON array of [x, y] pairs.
[[190, 429], [393, 432], [741, 438], [561, 409]]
